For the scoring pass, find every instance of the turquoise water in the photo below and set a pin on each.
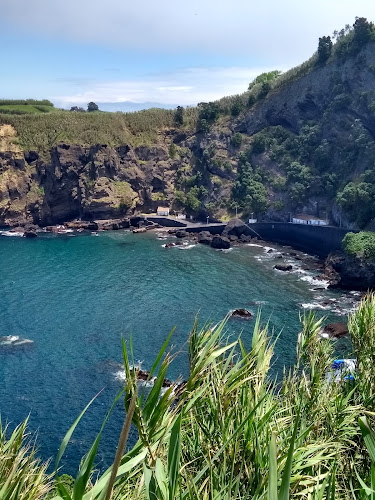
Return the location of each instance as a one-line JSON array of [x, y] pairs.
[[75, 296]]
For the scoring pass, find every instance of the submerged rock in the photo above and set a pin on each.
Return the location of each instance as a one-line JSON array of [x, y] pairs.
[[9, 341]]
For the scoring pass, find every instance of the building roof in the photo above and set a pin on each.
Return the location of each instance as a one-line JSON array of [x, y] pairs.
[[163, 209]]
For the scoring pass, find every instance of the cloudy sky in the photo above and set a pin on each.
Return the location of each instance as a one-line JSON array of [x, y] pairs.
[[167, 52]]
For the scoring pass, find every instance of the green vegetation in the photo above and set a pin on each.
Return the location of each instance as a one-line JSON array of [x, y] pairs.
[[128, 197], [28, 106], [361, 244], [228, 431], [43, 131], [179, 116], [92, 106]]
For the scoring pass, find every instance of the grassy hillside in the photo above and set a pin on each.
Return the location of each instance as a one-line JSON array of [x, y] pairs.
[[25, 107]]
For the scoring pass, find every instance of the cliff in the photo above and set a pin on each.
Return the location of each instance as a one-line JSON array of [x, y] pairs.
[[307, 146]]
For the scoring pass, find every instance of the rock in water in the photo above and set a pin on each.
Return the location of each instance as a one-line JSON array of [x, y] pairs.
[[220, 242], [283, 267], [241, 313], [335, 330], [30, 234], [205, 237]]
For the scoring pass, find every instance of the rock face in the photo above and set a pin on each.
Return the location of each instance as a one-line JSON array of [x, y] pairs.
[[76, 182], [349, 272]]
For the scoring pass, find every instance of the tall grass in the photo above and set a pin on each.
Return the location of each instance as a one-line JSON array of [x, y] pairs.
[[232, 432]]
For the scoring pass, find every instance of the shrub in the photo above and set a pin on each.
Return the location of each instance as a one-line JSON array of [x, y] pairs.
[[236, 140], [258, 145], [361, 244]]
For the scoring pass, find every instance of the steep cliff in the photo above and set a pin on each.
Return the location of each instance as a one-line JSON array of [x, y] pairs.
[[308, 145]]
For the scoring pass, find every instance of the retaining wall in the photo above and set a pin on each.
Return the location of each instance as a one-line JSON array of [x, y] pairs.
[[319, 240]]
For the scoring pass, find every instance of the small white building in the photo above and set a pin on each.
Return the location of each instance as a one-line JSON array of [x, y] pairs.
[[181, 216], [309, 219], [252, 221], [162, 211]]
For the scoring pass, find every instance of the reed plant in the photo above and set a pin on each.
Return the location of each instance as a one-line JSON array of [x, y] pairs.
[[231, 431]]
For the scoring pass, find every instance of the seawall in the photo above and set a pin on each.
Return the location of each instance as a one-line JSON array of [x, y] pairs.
[[318, 240]]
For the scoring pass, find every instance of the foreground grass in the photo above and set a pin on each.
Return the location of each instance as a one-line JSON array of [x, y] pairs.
[[228, 431]]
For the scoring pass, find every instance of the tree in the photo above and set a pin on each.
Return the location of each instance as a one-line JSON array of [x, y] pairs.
[[363, 32], [264, 89], [179, 116], [76, 108], [237, 106], [92, 106], [324, 49]]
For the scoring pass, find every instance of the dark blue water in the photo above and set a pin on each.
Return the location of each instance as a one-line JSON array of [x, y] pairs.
[[75, 296]]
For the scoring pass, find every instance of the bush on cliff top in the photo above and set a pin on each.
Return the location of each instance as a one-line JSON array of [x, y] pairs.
[[361, 244]]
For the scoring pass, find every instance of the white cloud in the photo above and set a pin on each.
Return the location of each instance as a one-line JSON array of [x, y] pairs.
[[185, 87], [282, 31]]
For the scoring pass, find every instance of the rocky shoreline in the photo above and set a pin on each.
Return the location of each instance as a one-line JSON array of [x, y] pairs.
[[338, 269]]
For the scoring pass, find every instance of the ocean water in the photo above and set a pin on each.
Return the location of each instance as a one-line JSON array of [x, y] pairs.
[[75, 296]]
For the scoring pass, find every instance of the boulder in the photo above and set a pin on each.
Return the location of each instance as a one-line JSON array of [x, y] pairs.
[[205, 237], [233, 237], [245, 238], [235, 227], [181, 233], [30, 233], [220, 242], [335, 330], [283, 267], [241, 313]]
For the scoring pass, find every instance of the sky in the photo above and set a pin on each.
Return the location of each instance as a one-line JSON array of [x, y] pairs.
[[133, 54]]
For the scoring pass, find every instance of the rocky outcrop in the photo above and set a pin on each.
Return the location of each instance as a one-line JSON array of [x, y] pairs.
[[349, 272], [77, 182]]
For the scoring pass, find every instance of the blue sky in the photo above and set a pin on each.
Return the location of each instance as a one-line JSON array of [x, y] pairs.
[[166, 52]]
